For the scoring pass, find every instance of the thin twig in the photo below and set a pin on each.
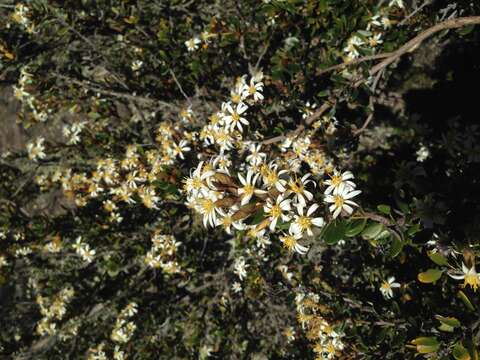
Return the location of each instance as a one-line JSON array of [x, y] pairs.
[[353, 62], [264, 51], [180, 86], [371, 105], [140, 99], [321, 110], [414, 12]]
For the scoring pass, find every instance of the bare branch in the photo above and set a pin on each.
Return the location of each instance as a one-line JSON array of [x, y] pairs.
[[392, 56]]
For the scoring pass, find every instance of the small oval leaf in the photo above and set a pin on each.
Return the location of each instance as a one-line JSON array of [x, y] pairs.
[[385, 209], [334, 232], [429, 276], [372, 231], [355, 227], [397, 247], [426, 345], [438, 258], [460, 352]]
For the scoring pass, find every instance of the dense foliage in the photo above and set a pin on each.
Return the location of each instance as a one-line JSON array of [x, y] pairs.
[[202, 179]]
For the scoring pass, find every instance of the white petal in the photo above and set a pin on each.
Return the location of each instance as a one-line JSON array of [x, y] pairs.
[[351, 194], [337, 212], [312, 209]]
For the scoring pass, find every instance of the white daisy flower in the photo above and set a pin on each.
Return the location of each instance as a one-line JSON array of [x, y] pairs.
[[297, 188], [469, 276], [339, 182], [277, 210], [253, 89], [227, 222], [387, 287], [240, 268], [303, 223], [180, 148], [256, 157], [235, 119], [248, 187], [341, 202], [206, 206], [192, 44], [290, 242], [271, 178]]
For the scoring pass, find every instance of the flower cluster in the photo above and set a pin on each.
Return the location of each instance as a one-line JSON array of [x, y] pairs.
[[36, 149], [83, 250], [163, 253], [128, 180], [326, 339], [364, 41], [124, 329], [53, 310], [23, 93], [339, 192], [193, 43], [21, 16], [260, 195], [72, 132]]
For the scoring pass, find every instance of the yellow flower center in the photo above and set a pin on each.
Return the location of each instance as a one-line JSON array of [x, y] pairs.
[[252, 90], [147, 200], [275, 211], [214, 119], [336, 180], [386, 286], [339, 201], [207, 205], [227, 221], [249, 189], [289, 242], [197, 183], [472, 280], [330, 348], [304, 222], [271, 177], [235, 117], [296, 186], [236, 98]]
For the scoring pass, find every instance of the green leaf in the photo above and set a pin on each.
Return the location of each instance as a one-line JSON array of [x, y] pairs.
[[426, 345], [429, 276], [466, 30], [438, 258], [372, 231], [465, 300], [334, 232], [258, 216], [355, 227], [413, 230], [397, 247], [460, 353], [450, 321], [447, 324], [323, 93], [403, 206], [385, 209]]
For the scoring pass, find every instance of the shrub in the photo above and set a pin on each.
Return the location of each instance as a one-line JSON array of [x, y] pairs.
[[239, 180]]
